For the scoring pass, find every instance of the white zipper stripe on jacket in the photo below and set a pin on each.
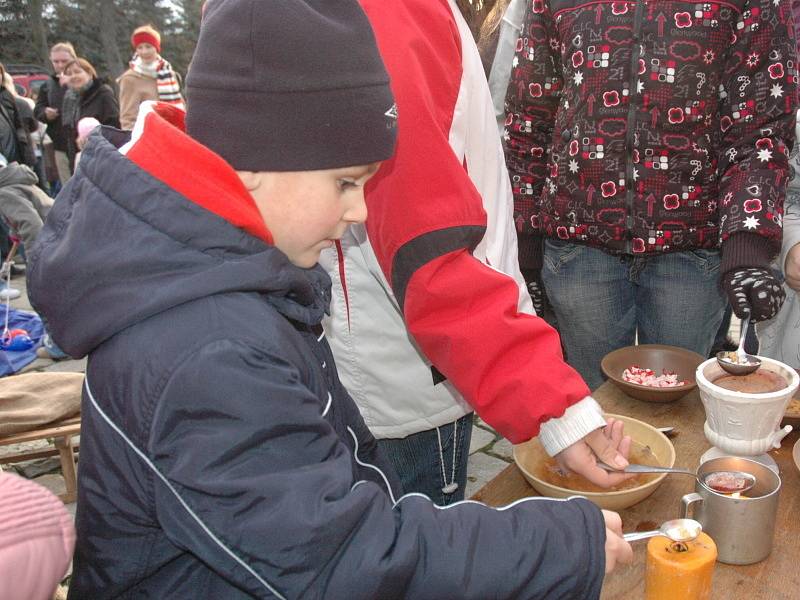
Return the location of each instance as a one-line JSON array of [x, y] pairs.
[[183, 503], [369, 466], [328, 405], [417, 494]]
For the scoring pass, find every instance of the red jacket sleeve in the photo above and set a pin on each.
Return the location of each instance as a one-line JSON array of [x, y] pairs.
[[425, 218]]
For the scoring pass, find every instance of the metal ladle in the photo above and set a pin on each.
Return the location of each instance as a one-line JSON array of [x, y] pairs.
[[748, 480], [678, 530], [745, 363]]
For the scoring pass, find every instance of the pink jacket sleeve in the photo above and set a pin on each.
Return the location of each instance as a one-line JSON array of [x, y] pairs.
[[37, 538]]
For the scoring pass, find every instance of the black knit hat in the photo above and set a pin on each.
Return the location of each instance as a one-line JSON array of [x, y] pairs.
[[289, 85]]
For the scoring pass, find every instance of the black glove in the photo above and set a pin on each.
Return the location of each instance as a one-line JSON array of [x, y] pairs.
[[754, 291], [533, 280]]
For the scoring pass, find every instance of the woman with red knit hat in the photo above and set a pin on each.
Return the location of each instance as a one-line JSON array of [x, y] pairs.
[[149, 77]]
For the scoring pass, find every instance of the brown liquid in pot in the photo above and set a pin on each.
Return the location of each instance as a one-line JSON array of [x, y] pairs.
[[760, 382]]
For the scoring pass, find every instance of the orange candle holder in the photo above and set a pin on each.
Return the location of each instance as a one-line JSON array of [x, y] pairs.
[[680, 569]]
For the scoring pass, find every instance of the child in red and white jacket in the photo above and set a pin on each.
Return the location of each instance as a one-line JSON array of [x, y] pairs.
[[430, 317]]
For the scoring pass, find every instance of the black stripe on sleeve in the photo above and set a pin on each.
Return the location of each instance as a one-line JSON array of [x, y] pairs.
[[425, 248]]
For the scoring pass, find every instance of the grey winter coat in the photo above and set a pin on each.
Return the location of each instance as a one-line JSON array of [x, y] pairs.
[[23, 206]]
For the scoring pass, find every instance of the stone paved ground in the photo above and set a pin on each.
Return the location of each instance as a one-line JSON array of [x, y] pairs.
[[489, 453]]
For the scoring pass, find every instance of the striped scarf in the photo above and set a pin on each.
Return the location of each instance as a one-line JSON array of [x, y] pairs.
[[169, 89]]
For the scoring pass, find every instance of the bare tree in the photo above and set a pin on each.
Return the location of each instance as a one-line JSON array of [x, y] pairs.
[[109, 18], [38, 30]]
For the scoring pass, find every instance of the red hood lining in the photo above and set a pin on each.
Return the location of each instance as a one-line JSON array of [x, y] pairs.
[[167, 153]]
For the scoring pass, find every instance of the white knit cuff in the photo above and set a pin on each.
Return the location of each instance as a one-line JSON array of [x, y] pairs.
[[579, 420]]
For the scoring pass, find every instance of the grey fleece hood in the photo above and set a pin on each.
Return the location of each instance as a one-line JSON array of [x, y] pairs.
[[17, 174], [119, 246]]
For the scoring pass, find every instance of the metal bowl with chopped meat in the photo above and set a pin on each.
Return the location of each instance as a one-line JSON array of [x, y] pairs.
[[666, 373]]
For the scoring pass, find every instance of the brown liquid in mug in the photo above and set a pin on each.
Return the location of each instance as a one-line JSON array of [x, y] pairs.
[[760, 382]]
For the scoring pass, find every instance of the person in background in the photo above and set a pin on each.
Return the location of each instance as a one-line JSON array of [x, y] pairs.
[[16, 148], [48, 107], [507, 34], [7, 293], [483, 20], [23, 208], [34, 131], [780, 337], [23, 205], [40, 140], [150, 77], [649, 170], [87, 96], [48, 157], [85, 128], [500, 71], [16, 123], [221, 456]]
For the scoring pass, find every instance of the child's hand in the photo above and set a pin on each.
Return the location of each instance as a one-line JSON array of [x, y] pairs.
[[609, 445], [617, 549], [791, 268]]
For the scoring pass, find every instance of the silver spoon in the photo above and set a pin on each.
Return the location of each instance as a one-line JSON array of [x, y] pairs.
[[724, 482], [744, 363], [678, 530]]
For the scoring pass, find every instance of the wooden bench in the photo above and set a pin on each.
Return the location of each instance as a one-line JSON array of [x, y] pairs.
[[61, 433]]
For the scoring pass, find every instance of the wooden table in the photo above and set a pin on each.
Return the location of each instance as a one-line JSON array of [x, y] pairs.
[[776, 578], [60, 434]]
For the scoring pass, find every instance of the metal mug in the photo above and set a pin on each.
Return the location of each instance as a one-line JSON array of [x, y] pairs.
[[742, 528]]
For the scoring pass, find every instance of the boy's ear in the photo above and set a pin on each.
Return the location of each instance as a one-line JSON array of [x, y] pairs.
[[250, 179]]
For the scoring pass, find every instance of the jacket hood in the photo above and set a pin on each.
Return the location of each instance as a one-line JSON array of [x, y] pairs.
[[120, 246], [17, 174]]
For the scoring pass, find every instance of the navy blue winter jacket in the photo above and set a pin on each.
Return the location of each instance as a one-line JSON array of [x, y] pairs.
[[221, 457]]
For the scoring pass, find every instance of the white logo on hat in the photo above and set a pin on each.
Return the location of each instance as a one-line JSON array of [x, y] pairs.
[[391, 116]]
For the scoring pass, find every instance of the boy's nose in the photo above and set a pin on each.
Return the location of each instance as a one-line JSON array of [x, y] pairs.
[[357, 211]]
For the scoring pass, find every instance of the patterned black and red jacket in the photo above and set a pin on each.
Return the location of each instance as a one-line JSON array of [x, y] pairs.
[[653, 126]]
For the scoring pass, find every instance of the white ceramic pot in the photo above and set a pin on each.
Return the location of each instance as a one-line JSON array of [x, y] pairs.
[[740, 423]]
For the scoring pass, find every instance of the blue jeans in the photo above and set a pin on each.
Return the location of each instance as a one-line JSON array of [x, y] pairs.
[[602, 301], [420, 465], [721, 338]]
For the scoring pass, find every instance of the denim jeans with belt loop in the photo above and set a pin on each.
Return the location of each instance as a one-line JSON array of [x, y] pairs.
[[602, 301]]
